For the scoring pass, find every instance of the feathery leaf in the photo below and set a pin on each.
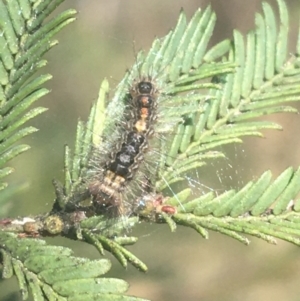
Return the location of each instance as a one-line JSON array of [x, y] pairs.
[[51, 272], [220, 93], [24, 38]]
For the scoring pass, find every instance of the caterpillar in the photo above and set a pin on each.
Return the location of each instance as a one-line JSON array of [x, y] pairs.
[[107, 188]]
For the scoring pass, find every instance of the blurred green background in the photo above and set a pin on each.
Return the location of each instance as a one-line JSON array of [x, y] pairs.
[[182, 266]]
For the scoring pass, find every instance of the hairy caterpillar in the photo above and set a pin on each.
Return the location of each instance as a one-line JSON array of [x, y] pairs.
[[108, 186]]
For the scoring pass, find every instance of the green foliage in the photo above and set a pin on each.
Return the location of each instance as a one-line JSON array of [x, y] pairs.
[[208, 98], [24, 39], [264, 79], [248, 210], [53, 273], [91, 228], [251, 78], [182, 86], [178, 81]]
